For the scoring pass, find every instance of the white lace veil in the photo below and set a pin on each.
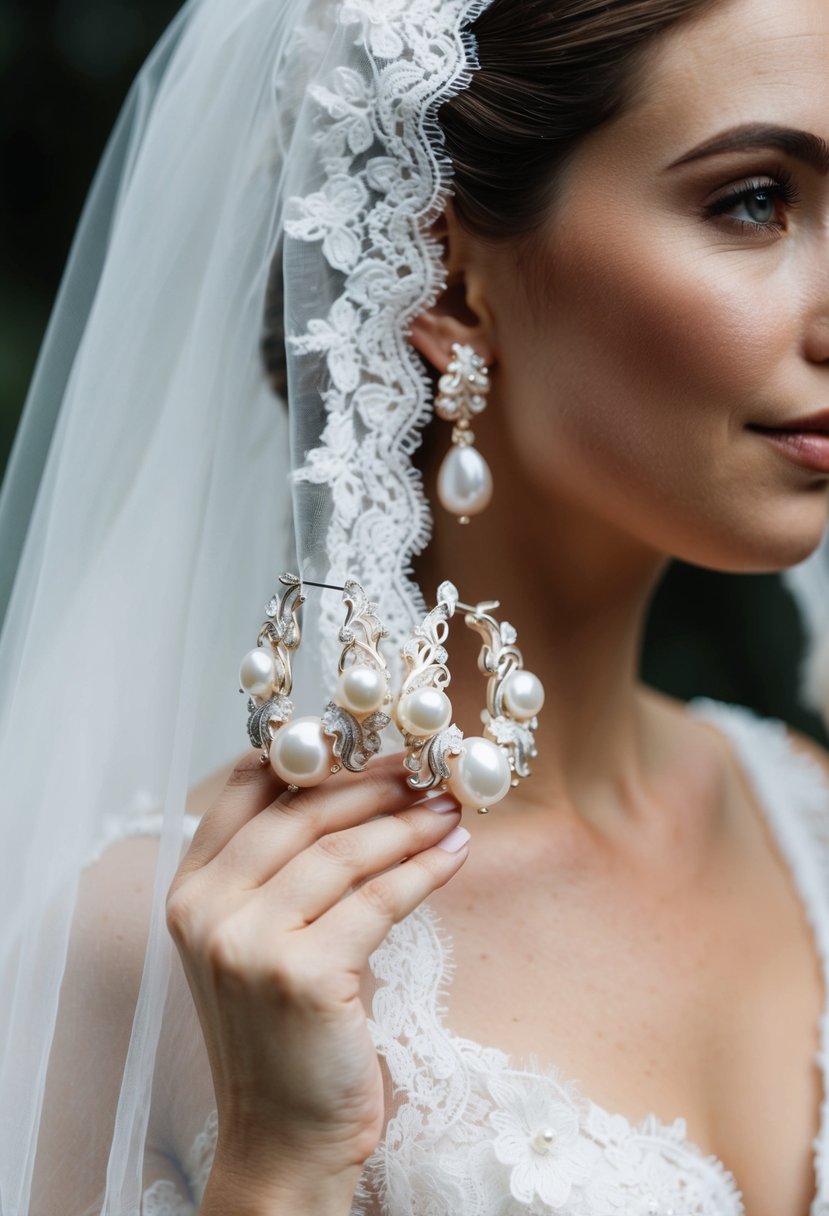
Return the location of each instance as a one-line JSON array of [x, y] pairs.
[[268, 148], [275, 159]]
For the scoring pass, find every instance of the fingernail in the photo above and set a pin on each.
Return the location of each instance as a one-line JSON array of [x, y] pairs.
[[455, 840], [439, 802]]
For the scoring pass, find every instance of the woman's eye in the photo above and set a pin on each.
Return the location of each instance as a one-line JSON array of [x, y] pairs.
[[759, 207], [756, 205]]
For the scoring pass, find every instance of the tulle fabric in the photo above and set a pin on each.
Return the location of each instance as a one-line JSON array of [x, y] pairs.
[[150, 503], [160, 521]]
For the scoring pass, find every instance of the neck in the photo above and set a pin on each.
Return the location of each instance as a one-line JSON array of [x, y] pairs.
[[577, 592]]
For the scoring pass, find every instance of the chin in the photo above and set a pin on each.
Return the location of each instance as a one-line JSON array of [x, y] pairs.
[[768, 543]]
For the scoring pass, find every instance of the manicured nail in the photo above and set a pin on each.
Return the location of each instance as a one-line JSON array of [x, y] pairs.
[[440, 803], [455, 840]]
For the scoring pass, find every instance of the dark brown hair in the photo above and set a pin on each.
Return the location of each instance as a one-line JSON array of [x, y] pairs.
[[551, 71]]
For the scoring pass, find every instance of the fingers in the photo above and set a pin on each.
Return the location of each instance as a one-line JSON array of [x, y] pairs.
[[350, 931], [270, 839], [250, 787], [318, 877]]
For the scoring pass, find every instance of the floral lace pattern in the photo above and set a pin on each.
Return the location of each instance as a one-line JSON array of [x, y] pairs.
[[384, 177], [475, 1136]]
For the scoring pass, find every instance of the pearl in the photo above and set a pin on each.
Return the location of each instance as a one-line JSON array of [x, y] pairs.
[[361, 689], [464, 481], [543, 1139], [301, 753], [424, 712], [523, 695], [481, 774], [257, 673]]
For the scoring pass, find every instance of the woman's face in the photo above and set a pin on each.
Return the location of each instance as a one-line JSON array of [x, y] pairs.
[[681, 295]]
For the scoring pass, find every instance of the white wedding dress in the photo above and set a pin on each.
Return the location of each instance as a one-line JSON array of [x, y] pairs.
[[469, 1133]]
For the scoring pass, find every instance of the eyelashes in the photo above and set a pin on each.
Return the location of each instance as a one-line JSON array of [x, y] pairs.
[[756, 194]]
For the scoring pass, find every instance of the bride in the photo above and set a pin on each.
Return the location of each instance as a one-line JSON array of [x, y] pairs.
[[607, 995]]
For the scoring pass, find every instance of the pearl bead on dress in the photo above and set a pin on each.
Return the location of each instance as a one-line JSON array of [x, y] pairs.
[[301, 752], [257, 672], [481, 774], [424, 712], [361, 689]]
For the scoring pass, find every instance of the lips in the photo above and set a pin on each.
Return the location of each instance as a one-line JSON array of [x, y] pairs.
[[815, 424], [807, 448]]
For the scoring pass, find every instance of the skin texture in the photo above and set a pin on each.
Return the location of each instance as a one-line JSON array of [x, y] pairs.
[[625, 913], [631, 341], [630, 889]]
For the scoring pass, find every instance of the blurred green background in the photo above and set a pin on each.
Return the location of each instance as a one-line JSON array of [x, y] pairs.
[[65, 69]]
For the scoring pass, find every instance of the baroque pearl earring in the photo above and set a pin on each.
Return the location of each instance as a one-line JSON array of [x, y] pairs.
[[464, 479], [479, 769], [304, 751]]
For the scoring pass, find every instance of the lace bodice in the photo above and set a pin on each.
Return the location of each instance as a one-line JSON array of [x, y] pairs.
[[472, 1134]]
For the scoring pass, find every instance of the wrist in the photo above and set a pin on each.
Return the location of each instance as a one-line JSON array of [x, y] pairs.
[[286, 1190]]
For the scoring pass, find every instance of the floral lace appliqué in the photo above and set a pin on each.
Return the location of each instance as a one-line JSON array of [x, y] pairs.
[[476, 1136], [383, 176]]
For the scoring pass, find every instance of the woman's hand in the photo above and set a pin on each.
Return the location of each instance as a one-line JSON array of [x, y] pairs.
[[274, 938]]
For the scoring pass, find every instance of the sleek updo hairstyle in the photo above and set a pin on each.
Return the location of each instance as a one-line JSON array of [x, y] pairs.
[[551, 71]]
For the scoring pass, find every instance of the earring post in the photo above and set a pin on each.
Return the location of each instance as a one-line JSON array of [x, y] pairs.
[[485, 606]]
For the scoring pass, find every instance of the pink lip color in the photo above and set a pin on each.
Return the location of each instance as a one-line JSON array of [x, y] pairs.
[[809, 449]]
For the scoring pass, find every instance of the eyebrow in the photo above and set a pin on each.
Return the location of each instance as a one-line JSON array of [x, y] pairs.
[[801, 145]]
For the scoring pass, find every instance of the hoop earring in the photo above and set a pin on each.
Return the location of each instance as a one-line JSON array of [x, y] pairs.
[[304, 751], [464, 484], [478, 770]]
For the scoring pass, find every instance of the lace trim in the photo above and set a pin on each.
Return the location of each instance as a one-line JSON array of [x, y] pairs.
[[385, 178], [477, 1136], [794, 792], [467, 1134], [199, 1160], [143, 816], [164, 1198]]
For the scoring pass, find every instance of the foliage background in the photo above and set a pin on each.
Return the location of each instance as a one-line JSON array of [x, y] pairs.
[[65, 69]]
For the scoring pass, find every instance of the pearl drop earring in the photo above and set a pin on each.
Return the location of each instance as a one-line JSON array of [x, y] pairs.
[[464, 479], [479, 769], [304, 751]]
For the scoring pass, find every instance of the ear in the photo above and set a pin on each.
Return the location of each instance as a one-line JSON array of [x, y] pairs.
[[460, 313]]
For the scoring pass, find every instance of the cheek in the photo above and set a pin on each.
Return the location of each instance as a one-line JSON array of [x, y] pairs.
[[639, 377], [651, 346]]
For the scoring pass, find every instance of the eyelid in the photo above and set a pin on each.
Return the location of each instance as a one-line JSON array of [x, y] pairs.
[[780, 180]]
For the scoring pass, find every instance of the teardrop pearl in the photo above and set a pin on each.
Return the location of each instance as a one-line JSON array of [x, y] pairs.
[[424, 712], [361, 689], [523, 695], [481, 774], [464, 481], [301, 753], [257, 672]]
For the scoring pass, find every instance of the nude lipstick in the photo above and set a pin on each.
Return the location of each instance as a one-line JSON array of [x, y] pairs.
[[804, 440]]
